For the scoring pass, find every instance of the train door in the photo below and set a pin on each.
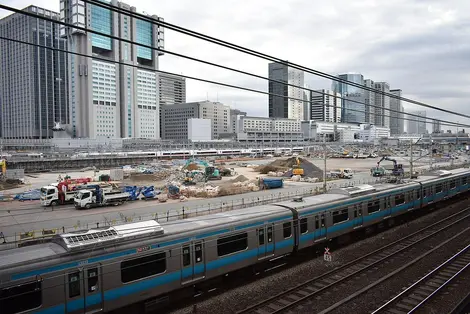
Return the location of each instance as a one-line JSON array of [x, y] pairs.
[[357, 216], [193, 264], [265, 241], [387, 207], [320, 227], [83, 290], [93, 296]]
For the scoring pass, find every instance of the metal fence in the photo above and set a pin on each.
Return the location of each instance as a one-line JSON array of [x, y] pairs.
[[33, 236]]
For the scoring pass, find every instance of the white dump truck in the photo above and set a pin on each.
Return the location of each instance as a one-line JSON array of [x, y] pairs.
[[98, 197], [50, 195]]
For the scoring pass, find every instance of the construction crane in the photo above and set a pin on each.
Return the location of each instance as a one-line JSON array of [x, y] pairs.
[[380, 171]]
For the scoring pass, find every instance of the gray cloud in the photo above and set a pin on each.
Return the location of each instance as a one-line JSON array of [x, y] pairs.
[[419, 46]]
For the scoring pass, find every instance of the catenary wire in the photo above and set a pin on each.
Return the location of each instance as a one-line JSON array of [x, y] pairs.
[[446, 123], [260, 55], [227, 68]]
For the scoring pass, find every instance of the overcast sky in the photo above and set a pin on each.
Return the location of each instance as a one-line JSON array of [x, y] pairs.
[[420, 46]]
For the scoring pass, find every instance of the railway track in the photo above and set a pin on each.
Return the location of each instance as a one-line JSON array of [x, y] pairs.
[[324, 292], [418, 294]]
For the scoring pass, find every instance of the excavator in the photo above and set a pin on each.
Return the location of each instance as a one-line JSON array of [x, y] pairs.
[[297, 169], [380, 171]]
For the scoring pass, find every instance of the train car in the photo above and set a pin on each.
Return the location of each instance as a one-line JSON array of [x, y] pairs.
[[108, 268]]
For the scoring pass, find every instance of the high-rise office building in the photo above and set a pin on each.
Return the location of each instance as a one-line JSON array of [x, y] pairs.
[[324, 105], [33, 93], [283, 107], [172, 89], [108, 99], [369, 100], [382, 104], [396, 117], [353, 109], [417, 125], [436, 126], [401, 120]]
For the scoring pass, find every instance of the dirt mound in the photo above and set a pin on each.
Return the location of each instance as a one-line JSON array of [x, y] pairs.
[[310, 170], [192, 166], [158, 176], [240, 178]]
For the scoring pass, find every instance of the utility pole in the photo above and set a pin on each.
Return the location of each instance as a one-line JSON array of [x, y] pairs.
[[324, 162], [432, 153], [411, 158]]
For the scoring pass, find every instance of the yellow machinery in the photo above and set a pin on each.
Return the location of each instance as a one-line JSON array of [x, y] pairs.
[[297, 170], [3, 165]]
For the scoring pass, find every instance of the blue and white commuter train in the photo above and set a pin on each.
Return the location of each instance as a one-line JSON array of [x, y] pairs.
[[104, 269]]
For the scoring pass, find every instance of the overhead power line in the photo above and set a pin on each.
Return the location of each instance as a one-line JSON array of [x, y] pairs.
[[262, 55], [198, 79], [447, 122]]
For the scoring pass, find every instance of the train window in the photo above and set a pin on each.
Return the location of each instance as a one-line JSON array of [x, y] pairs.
[[399, 199], [373, 207], [232, 244], [464, 180], [418, 194], [303, 225], [452, 184], [92, 280], [198, 252], [143, 267], [322, 220], [317, 223], [270, 234], [261, 236], [340, 216], [74, 285], [186, 256], [20, 298], [287, 227], [438, 188]]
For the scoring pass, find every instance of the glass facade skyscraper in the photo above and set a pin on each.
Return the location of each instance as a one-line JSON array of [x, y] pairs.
[[282, 107], [101, 19], [352, 110], [33, 80], [109, 99]]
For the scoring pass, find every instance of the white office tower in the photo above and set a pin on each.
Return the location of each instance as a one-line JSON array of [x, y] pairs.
[[325, 105], [109, 99]]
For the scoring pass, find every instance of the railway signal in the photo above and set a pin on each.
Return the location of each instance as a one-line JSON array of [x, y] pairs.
[[327, 255]]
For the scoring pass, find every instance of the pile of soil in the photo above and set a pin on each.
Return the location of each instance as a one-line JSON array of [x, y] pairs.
[[310, 170], [192, 166], [158, 176], [9, 184], [240, 178]]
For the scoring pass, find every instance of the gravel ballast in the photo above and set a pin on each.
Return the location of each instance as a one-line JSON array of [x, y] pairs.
[[240, 297]]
